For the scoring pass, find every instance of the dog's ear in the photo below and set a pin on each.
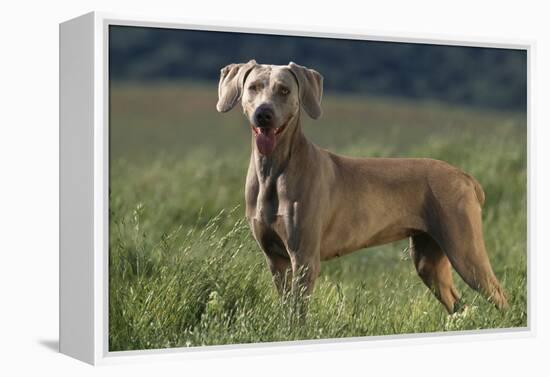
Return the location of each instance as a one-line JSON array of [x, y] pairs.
[[230, 88], [310, 84]]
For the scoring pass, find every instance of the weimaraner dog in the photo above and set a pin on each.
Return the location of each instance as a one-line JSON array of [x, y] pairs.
[[306, 204]]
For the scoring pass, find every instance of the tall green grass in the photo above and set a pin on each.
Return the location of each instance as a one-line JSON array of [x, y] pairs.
[[184, 270]]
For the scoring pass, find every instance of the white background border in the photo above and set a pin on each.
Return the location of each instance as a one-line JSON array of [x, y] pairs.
[[30, 167]]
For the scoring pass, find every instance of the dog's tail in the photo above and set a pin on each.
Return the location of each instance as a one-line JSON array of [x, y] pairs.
[[480, 194]]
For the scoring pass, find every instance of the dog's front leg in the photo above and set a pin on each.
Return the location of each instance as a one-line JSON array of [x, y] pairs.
[[302, 241], [305, 270], [281, 270], [306, 266]]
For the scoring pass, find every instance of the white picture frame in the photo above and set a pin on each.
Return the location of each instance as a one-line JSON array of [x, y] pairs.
[[84, 172]]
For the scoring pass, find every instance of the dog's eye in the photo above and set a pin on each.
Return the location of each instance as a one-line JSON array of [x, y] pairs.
[[285, 91], [253, 88]]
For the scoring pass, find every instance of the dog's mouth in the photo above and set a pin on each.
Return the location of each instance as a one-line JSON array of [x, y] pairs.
[[266, 137]]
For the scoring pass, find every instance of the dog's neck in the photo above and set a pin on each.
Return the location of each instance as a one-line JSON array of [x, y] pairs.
[[291, 144]]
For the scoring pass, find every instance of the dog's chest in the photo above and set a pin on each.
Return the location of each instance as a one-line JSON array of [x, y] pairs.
[[267, 201], [269, 208]]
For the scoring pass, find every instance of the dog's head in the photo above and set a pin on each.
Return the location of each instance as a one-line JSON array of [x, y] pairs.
[[271, 96]]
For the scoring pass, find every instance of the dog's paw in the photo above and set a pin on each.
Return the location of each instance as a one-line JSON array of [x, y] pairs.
[[459, 319]]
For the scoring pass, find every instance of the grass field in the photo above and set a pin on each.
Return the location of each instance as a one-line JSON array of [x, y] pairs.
[[184, 269]]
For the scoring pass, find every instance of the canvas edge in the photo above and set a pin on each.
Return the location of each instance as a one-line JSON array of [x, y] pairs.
[[76, 178]]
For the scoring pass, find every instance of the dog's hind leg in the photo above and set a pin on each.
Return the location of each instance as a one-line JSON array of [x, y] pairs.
[[434, 269], [462, 240]]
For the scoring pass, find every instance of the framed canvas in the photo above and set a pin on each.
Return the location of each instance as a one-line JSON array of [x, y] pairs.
[[230, 189]]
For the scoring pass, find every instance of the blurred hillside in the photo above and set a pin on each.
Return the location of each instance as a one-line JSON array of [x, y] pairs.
[[480, 77]]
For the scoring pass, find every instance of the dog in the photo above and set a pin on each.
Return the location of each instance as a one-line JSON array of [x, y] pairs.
[[305, 204]]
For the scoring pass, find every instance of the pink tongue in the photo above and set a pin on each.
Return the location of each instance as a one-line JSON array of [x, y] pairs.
[[265, 141]]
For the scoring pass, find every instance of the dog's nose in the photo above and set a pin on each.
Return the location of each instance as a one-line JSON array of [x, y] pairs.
[[263, 116]]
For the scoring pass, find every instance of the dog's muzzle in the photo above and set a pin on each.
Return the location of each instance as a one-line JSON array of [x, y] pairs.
[[264, 129]]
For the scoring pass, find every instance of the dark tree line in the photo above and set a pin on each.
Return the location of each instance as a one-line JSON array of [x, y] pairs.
[[484, 77]]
